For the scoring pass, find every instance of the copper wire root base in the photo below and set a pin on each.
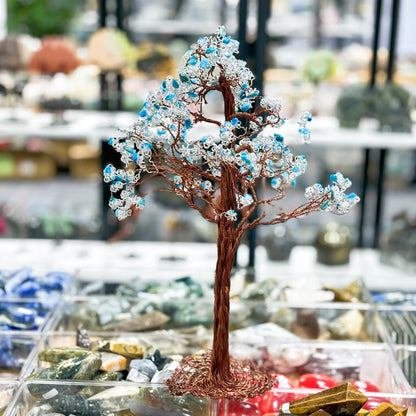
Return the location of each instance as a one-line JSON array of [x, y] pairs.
[[194, 376]]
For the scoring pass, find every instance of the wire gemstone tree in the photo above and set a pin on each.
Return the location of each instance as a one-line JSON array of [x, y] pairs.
[[217, 176]]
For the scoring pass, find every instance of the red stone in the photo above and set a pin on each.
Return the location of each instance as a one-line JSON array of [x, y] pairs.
[[365, 386], [316, 381], [271, 401], [374, 402], [236, 408], [283, 382]]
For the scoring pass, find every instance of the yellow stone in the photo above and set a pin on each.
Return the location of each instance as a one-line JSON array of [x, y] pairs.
[[389, 409], [361, 412], [113, 362], [320, 412], [127, 349], [343, 399]]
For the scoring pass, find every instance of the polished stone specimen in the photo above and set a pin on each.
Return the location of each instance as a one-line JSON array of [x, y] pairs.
[[343, 399], [389, 409], [113, 362], [56, 355]]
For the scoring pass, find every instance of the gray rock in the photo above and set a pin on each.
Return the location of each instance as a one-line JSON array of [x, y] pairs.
[[146, 367], [166, 373], [137, 377]]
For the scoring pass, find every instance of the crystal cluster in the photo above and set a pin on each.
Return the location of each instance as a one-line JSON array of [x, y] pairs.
[[247, 139]]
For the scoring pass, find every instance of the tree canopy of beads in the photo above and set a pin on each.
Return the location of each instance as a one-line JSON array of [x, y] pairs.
[[159, 143], [219, 172]]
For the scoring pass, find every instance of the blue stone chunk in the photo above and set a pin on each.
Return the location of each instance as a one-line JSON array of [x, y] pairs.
[[28, 289], [5, 341], [17, 279], [22, 315], [145, 366], [7, 360]]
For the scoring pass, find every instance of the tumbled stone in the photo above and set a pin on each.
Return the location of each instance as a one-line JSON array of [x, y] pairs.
[[113, 362], [144, 366], [137, 376], [343, 399]]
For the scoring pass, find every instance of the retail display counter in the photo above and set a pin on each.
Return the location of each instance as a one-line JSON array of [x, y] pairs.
[[152, 301]]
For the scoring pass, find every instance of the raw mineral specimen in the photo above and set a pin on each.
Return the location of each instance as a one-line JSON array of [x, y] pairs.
[[56, 355], [343, 399], [78, 368], [146, 322], [389, 409], [123, 347]]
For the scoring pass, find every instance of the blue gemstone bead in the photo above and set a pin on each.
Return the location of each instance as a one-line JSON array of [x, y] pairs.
[[170, 97], [245, 107], [188, 123], [210, 49], [143, 113], [203, 63], [333, 178], [175, 83], [193, 60], [234, 121], [183, 78]]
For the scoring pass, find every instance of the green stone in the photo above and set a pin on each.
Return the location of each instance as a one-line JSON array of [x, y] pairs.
[[56, 355]]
